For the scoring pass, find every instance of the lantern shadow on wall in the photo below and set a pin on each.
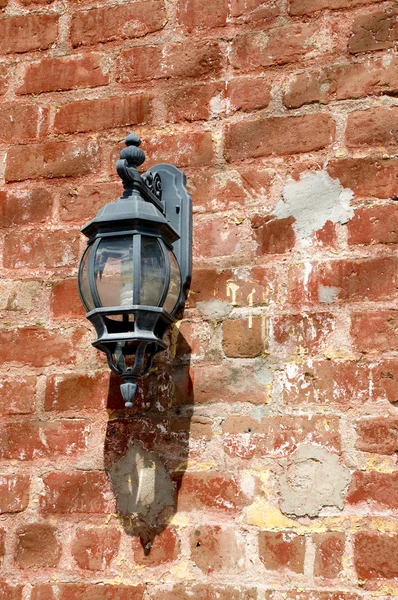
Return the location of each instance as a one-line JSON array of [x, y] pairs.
[[133, 280]]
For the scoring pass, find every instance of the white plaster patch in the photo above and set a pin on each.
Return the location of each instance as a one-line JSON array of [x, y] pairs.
[[313, 200]]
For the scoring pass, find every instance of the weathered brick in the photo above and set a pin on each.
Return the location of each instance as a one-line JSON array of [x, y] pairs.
[[244, 338], [76, 391], [194, 102], [2, 543], [164, 548], [280, 45], [374, 31], [99, 591], [215, 548], [305, 7], [76, 492], [273, 236], [95, 548], [341, 82], [282, 550], [375, 331], [329, 549], [28, 32], [194, 149], [251, 11], [51, 159], [107, 113], [22, 122], [248, 93], [10, 591], [36, 347], [374, 225], [17, 395], [63, 73], [207, 490], [117, 22], [278, 135], [65, 300], [295, 333], [14, 493], [376, 555], [379, 435], [51, 249], [373, 127], [28, 440], [4, 79], [384, 380], [81, 202], [194, 14], [247, 437], [219, 237], [179, 60], [37, 546], [374, 488], [205, 591], [25, 206], [367, 176]]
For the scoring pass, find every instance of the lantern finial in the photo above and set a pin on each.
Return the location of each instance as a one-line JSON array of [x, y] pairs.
[[132, 154]]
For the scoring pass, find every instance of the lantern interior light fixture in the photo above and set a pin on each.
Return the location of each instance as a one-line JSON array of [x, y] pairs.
[[135, 272]]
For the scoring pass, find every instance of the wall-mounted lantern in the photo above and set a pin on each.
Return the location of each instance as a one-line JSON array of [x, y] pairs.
[[136, 270]]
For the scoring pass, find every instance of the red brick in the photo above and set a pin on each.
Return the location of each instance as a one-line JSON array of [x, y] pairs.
[[219, 237], [10, 591], [164, 548], [63, 73], [374, 488], [273, 236], [181, 591], [251, 11], [244, 338], [192, 339], [374, 225], [25, 207], [379, 435], [17, 395], [99, 591], [51, 249], [193, 149], [194, 14], [329, 549], [14, 493], [384, 379], [247, 437], [367, 176], [95, 548], [65, 300], [208, 283], [348, 281], [375, 331], [282, 550], [293, 333], [37, 546], [280, 135], [2, 544], [214, 548], [107, 113], [179, 60], [77, 392], [280, 45], [117, 22], [342, 82], [317, 595], [81, 202], [27, 32], [206, 490], [376, 555], [4, 79], [342, 384], [42, 591], [76, 492], [374, 31], [247, 94], [305, 7], [194, 102], [42, 439], [373, 127], [51, 159], [35, 347], [22, 122]]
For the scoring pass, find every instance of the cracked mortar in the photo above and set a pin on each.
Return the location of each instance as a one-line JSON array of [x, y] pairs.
[[313, 200], [314, 478]]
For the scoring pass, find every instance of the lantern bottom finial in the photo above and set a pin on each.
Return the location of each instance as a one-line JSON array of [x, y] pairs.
[[128, 390]]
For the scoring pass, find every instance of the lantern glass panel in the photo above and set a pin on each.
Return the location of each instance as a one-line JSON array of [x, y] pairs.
[[175, 284], [83, 281], [114, 271], [153, 272]]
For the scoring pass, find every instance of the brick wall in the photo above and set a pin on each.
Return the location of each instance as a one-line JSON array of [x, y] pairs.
[[260, 461]]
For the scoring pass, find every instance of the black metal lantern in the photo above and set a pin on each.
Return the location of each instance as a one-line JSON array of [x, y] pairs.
[[136, 270]]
